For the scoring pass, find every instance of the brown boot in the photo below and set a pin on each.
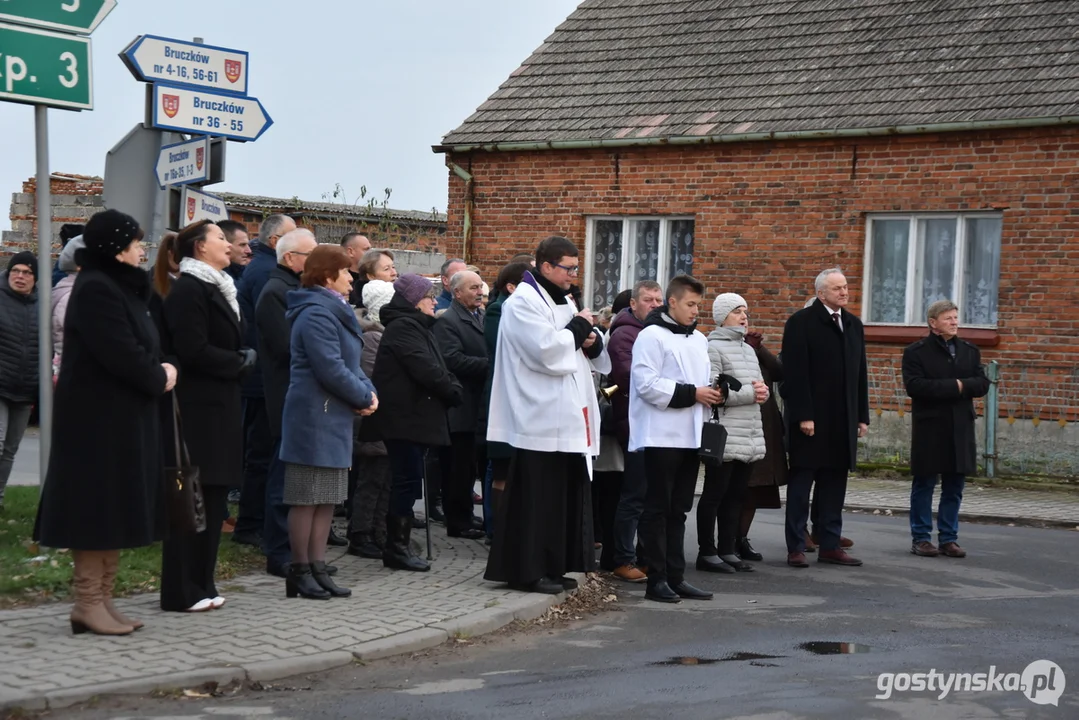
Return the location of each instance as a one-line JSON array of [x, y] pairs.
[[108, 579], [89, 613]]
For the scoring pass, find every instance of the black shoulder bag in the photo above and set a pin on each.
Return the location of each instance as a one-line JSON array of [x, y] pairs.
[[186, 507]]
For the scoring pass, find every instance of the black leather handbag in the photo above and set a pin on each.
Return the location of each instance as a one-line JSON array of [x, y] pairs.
[[186, 506], [713, 439]]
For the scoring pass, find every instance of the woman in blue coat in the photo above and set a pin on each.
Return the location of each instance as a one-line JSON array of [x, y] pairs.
[[327, 389]]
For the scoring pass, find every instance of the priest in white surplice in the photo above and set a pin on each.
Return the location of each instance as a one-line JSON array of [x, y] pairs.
[[543, 404]]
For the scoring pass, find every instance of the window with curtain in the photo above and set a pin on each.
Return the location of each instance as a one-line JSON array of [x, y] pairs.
[[914, 261], [625, 250]]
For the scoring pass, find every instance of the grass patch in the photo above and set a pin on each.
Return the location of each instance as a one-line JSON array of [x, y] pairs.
[[30, 574]]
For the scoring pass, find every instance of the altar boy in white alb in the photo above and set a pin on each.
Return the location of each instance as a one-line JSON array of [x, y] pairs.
[[543, 405], [668, 395]]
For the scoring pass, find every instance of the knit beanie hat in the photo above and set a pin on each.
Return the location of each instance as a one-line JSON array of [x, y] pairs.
[[109, 232], [67, 256], [24, 258], [414, 288], [376, 293], [724, 304]]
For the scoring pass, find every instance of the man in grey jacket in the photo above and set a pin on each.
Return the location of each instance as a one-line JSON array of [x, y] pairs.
[[18, 357]]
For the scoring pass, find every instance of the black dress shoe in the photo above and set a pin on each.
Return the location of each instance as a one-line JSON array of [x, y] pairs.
[[478, 523], [544, 585], [252, 539], [720, 567], [436, 514], [280, 571], [740, 566], [467, 534], [568, 583], [336, 540], [418, 524], [365, 548], [745, 551], [684, 589], [661, 592]]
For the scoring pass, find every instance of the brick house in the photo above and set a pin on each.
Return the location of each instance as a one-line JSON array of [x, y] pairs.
[[929, 149]]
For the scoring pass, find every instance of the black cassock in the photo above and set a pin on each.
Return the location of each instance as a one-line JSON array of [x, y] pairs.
[[544, 521]]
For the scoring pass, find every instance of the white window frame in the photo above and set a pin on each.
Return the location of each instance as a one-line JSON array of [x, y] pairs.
[[663, 256], [960, 219]]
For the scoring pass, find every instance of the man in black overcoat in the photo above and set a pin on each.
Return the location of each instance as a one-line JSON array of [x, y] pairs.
[[459, 333], [943, 374], [826, 393]]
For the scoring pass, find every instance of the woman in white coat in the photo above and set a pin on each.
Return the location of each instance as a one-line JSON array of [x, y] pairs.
[[725, 485]]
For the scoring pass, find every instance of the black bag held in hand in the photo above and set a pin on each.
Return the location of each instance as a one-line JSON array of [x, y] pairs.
[[713, 434], [187, 509]]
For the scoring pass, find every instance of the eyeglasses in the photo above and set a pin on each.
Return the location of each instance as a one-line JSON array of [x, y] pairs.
[[571, 269], [297, 252], [20, 272]]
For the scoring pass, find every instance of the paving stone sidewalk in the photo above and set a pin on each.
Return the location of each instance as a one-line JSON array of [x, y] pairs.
[[259, 634]]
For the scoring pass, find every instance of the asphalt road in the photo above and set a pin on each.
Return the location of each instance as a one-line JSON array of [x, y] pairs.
[[1013, 601]]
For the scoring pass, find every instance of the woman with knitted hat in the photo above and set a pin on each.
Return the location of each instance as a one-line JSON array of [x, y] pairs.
[[103, 492], [371, 497], [417, 389], [725, 484]]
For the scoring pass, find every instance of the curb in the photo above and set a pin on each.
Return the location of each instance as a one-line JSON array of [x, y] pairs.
[[525, 607], [978, 517]]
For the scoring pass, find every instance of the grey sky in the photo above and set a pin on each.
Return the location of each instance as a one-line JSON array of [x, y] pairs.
[[358, 91]]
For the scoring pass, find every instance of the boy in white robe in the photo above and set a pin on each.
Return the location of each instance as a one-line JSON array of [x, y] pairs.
[[544, 406]]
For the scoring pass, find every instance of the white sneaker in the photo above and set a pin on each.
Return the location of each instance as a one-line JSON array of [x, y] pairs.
[[201, 606], [217, 602]]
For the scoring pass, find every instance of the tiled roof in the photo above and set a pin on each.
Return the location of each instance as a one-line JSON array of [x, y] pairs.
[[630, 69], [295, 206]]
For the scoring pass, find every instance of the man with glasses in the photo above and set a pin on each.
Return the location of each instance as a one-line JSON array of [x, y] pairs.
[[543, 405], [275, 359], [257, 443], [18, 357]]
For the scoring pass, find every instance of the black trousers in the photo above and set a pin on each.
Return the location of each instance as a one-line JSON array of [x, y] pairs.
[[672, 478], [370, 502], [828, 499], [258, 451], [457, 487], [606, 489], [188, 560], [721, 503]]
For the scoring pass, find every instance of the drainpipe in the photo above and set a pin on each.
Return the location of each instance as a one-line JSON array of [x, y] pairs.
[[466, 250], [992, 412]]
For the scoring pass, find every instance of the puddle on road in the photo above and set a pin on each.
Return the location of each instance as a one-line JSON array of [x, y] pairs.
[[732, 657], [834, 648]]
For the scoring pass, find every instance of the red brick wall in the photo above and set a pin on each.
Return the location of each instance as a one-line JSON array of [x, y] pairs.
[[770, 215]]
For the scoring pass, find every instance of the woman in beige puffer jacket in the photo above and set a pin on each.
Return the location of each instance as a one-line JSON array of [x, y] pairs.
[[725, 485]]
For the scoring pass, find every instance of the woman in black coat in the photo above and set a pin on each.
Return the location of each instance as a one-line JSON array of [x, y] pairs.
[[414, 389], [105, 489], [206, 335]]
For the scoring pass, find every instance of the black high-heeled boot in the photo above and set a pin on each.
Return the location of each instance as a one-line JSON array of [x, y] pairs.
[[744, 550], [397, 553], [318, 572], [301, 582]]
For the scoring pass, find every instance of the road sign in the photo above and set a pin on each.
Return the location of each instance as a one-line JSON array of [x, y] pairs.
[[195, 206], [207, 113], [151, 58], [183, 163], [45, 68], [73, 16]]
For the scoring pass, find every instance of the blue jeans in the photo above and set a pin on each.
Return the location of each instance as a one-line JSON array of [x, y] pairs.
[[275, 544], [407, 469], [921, 507], [630, 505]]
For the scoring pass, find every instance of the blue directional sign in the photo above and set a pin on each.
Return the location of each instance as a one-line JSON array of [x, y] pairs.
[[184, 162], [202, 112], [157, 59]]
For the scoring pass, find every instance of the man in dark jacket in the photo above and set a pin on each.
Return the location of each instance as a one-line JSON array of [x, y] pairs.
[[942, 374], [449, 268], [258, 445], [275, 357], [826, 391], [239, 247], [18, 357], [627, 325], [459, 333], [356, 244]]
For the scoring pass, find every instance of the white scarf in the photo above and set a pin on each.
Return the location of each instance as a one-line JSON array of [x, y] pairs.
[[200, 270]]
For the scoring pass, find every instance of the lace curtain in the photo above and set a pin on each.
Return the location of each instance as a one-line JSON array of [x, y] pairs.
[[888, 275], [981, 276], [607, 262]]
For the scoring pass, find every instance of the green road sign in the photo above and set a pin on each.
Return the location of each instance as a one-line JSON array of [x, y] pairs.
[[45, 68], [75, 16]]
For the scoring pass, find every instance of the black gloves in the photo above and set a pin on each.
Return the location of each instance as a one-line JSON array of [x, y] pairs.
[[250, 357]]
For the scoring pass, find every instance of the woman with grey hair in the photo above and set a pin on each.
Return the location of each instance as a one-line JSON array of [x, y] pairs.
[[61, 294]]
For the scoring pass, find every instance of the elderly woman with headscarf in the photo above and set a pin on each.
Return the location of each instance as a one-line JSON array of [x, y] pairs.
[[104, 489]]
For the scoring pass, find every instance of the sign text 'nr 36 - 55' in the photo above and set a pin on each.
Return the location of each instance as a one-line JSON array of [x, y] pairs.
[[44, 67], [209, 113]]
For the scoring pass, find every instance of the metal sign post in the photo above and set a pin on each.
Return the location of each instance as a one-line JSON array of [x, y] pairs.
[[43, 195]]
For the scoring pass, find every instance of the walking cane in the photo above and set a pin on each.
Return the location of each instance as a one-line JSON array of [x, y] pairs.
[[427, 509]]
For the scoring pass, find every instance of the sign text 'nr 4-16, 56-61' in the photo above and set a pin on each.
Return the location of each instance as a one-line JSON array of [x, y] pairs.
[[156, 59], [46, 68], [75, 16], [207, 113]]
